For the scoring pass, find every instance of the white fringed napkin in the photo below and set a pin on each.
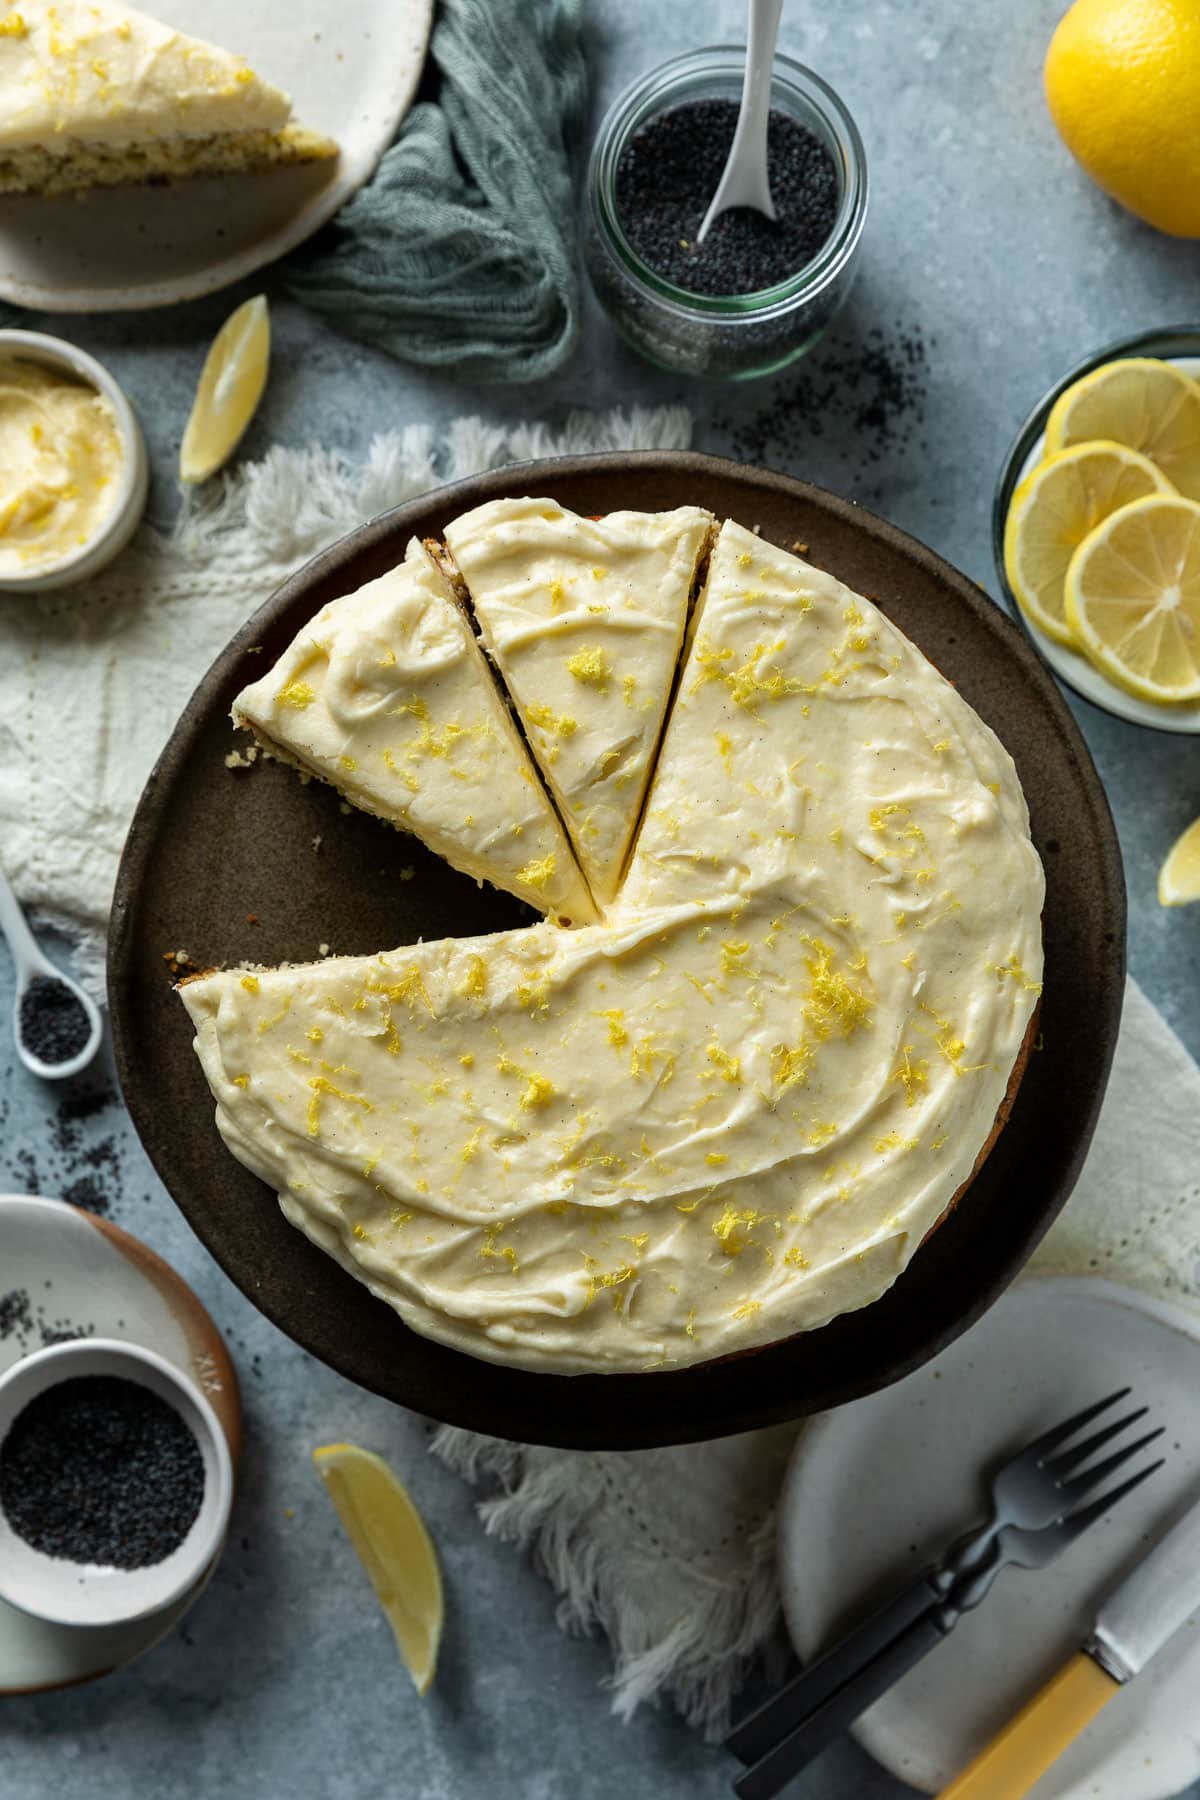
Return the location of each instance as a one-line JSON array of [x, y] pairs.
[[670, 1552]]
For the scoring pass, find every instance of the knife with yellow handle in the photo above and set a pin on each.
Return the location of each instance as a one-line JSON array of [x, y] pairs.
[[1133, 1624]]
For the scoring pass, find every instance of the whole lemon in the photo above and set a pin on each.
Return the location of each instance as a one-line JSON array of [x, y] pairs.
[[1123, 83]]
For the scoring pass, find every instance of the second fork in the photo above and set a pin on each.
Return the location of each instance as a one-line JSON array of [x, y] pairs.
[[1037, 1510]]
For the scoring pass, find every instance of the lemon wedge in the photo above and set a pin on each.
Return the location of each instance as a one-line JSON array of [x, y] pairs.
[[1053, 510], [1132, 598], [1179, 877], [394, 1548], [231, 386], [1148, 405]]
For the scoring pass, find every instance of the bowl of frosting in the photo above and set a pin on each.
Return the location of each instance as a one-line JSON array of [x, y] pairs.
[[73, 467]]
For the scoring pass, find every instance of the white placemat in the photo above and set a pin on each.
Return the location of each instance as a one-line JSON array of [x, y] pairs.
[[670, 1552]]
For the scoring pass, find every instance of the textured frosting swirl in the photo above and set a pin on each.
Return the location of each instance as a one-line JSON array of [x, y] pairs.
[[60, 464]]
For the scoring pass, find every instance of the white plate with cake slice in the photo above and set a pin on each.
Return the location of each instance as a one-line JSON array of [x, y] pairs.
[[350, 72]]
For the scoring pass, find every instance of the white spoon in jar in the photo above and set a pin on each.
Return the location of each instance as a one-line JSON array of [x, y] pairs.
[[745, 180], [73, 1013]]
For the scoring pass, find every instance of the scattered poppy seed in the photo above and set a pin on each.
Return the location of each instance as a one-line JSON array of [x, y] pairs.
[[53, 1025], [16, 1316], [101, 1470], [669, 173], [858, 401]]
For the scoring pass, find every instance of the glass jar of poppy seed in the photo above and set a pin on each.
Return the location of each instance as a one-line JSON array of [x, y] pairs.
[[756, 294]]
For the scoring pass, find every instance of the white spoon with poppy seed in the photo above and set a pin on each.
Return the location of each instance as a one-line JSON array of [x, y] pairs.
[[50, 1009], [745, 180]]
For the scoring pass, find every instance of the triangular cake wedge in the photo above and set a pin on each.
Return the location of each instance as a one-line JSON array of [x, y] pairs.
[[584, 618], [387, 696], [94, 94], [807, 740]]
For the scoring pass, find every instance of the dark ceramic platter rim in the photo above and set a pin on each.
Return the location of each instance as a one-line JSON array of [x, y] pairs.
[[167, 891]]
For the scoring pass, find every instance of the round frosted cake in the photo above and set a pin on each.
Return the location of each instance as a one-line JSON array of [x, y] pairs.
[[770, 1024]]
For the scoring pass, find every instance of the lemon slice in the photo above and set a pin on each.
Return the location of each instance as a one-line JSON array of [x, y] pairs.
[[1179, 877], [394, 1548], [1151, 406], [231, 385], [1133, 598], [1053, 510]]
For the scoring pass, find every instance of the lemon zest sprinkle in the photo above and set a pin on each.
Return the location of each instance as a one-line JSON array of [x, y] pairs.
[[538, 873], [730, 1067], [618, 1037], [474, 982], [592, 665], [297, 694]]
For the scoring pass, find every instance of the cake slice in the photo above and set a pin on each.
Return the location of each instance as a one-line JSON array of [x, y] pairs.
[[584, 618], [808, 740], [97, 95], [387, 696]]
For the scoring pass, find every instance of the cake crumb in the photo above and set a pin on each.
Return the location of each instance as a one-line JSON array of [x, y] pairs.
[[345, 806], [407, 872], [323, 950], [316, 843]]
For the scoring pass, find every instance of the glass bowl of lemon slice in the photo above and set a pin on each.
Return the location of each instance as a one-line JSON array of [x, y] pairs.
[[1096, 528]]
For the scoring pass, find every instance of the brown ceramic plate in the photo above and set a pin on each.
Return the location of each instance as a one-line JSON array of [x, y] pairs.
[[209, 848]]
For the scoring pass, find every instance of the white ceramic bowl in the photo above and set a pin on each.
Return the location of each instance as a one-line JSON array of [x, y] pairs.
[[70, 1593], [120, 523]]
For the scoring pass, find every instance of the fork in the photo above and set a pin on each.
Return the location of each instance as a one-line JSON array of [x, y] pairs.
[[1036, 1512]]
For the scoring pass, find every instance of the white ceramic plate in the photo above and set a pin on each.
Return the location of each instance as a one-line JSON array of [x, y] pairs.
[[79, 1271], [351, 70], [1084, 676], [878, 1487]]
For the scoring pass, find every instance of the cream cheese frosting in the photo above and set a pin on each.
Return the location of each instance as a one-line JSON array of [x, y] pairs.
[[95, 92], [108, 74], [584, 618], [387, 696], [60, 464], [735, 1109]]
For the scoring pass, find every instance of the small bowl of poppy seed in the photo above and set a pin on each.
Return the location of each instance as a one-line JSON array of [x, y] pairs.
[[115, 1483]]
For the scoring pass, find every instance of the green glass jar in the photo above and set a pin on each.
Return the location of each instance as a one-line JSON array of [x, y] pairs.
[[734, 336]]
